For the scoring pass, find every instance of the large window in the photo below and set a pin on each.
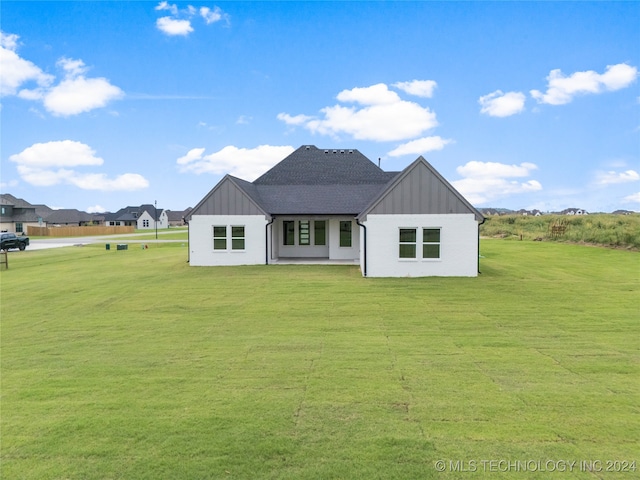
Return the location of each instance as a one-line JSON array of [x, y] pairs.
[[430, 243], [345, 234], [320, 232], [145, 223], [288, 232], [407, 243], [304, 232], [220, 237]]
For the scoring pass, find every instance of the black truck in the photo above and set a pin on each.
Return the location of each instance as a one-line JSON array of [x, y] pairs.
[[11, 240]]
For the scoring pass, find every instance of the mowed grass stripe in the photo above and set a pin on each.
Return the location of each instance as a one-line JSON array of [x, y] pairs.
[[131, 364]]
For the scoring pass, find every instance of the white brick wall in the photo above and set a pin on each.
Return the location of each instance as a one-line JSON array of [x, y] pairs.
[[201, 240], [458, 250]]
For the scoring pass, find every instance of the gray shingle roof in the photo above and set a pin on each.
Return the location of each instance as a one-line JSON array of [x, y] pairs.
[[69, 215], [309, 165], [313, 181]]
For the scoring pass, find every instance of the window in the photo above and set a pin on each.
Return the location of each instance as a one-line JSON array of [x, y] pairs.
[[288, 232], [145, 223], [18, 227], [237, 238], [345, 234], [304, 232], [407, 243], [430, 243], [220, 237], [319, 232]]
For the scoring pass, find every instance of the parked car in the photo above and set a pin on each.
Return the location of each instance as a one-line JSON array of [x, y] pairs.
[[11, 240]]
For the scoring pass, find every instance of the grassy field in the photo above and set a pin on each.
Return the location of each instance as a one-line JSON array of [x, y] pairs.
[[618, 231], [133, 365]]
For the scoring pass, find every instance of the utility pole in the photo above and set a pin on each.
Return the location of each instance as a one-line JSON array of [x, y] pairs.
[[155, 203]]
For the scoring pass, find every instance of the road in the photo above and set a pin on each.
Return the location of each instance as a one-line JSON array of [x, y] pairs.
[[54, 242]]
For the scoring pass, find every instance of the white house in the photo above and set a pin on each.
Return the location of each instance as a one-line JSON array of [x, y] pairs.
[[142, 217], [337, 205]]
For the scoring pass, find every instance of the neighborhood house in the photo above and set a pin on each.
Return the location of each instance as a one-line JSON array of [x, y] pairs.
[[144, 217], [338, 206]]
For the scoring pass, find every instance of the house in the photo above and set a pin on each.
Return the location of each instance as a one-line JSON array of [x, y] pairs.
[[574, 211], [529, 213], [17, 214], [176, 217], [144, 217], [73, 217], [338, 206]]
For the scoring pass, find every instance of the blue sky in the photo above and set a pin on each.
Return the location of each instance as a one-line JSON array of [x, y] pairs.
[[517, 104]]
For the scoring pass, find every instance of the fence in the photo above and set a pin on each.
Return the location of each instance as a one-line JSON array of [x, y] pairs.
[[76, 231]]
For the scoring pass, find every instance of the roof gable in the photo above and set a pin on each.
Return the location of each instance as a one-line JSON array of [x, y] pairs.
[[419, 189], [231, 196]]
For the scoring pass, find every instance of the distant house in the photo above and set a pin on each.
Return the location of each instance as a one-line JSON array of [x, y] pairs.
[[17, 214], [574, 211], [143, 217], [623, 212], [337, 205], [72, 217], [176, 217], [529, 213]]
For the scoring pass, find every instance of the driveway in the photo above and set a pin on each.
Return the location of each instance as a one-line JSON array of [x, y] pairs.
[[54, 242]]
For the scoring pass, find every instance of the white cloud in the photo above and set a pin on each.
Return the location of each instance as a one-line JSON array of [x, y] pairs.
[[47, 164], [500, 104], [383, 116], [245, 163], [99, 181], [192, 155], [9, 40], [562, 90], [493, 169], [9, 184], [77, 95], [378, 94], [295, 120], [65, 153], [486, 181], [179, 22], [166, 6], [612, 177], [419, 88], [72, 68], [172, 26], [96, 209], [211, 16], [73, 95], [420, 146], [17, 71], [633, 198]]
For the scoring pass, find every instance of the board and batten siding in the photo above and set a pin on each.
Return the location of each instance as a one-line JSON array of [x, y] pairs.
[[458, 246], [227, 199], [201, 240], [420, 192]]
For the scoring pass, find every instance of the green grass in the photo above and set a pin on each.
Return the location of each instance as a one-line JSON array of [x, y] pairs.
[[133, 365], [619, 231], [176, 234]]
